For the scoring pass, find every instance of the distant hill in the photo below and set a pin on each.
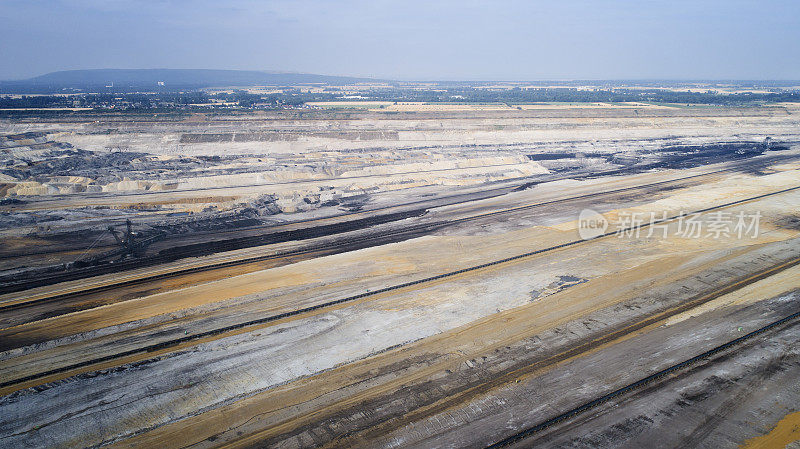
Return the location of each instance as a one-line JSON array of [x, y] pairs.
[[128, 80]]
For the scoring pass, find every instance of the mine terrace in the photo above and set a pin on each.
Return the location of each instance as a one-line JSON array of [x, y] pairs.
[[368, 263]]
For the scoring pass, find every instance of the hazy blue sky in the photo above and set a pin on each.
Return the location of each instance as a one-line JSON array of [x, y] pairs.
[[409, 39]]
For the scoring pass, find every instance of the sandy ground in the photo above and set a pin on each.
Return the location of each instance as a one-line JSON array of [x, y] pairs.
[[281, 166], [461, 361], [281, 371]]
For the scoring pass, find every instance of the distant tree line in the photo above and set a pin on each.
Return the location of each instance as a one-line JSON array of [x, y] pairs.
[[459, 94], [539, 95]]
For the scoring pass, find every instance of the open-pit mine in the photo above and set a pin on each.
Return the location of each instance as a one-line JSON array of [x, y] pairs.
[[410, 275]]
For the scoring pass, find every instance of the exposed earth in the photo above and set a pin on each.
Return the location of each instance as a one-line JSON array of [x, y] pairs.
[[403, 277]]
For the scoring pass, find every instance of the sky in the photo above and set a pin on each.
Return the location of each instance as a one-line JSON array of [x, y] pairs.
[[410, 39]]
